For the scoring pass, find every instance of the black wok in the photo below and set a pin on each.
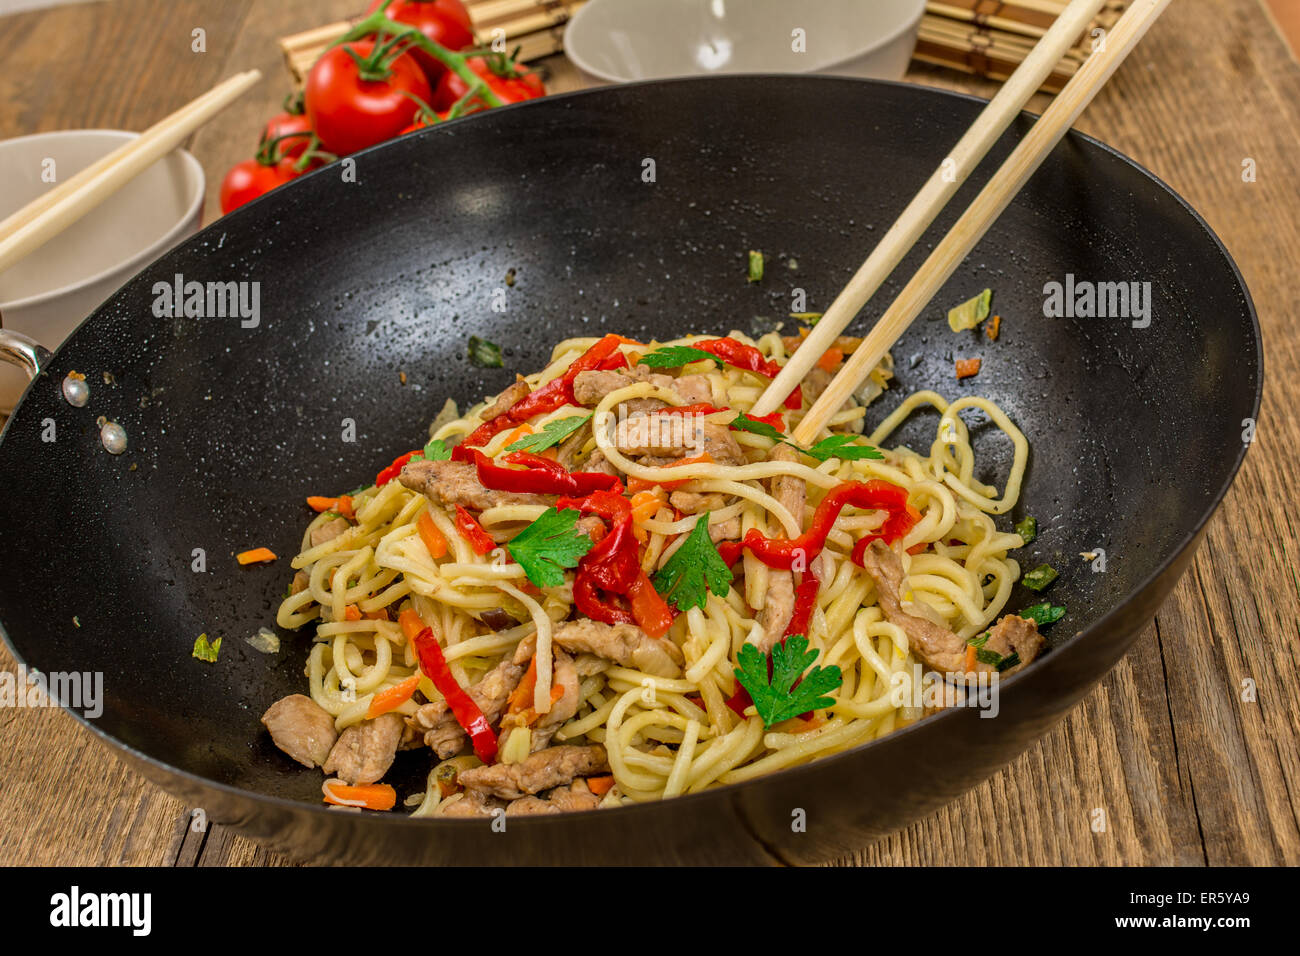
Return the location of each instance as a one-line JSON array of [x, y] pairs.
[[1136, 433]]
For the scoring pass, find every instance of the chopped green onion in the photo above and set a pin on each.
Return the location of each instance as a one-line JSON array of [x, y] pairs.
[[484, 354], [755, 266], [979, 640], [1039, 578], [1027, 528], [1008, 662], [205, 651], [1043, 614]]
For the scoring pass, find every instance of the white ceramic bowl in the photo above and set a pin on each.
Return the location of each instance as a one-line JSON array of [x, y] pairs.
[[616, 41], [46, 295]]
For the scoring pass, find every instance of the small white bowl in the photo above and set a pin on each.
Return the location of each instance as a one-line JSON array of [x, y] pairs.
[[46, 295], [617, 41]]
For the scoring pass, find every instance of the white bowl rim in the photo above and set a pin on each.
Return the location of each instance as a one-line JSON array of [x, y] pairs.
[[871, 47], [165, 242]]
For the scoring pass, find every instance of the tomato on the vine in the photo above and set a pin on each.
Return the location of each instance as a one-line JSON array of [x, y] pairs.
[[252, 178], [511, 85], [294, 127], [445, 22], [359, 94]]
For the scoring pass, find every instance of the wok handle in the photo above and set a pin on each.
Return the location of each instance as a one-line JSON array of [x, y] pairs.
[[27, 354]]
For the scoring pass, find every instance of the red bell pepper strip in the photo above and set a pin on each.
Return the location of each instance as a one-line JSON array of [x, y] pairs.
[[896, 526], [611, 565], [539, 476], [473, 532], [588, 600], [652, 613], [554, 394], [805, 602], [873, 495], [775, 420], [462, 705], [395, 469], [750, 359], [607, 504], [730, 551]]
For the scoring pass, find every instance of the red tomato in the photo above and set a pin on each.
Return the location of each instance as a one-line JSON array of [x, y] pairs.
[[349, 113], [247, 180], [289, 124], [445, 22], [526, 86]]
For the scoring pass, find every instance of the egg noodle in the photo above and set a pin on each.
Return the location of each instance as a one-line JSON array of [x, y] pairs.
[[669, 736]]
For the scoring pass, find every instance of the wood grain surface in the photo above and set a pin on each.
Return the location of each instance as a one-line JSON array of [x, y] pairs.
[[1184, 770]]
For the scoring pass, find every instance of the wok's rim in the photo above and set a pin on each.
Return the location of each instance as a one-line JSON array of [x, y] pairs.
[[718, 791]]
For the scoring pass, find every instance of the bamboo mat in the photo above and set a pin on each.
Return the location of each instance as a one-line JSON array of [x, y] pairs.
[[982, 37]]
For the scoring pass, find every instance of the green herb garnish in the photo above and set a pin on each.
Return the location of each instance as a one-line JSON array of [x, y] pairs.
[[484, 354], [205, 651], [994, 659], [549, 545], [552, 433], [695, 569], [841, 446], [435, 450], [971, 312], [675, 356], [1043, 614], [777, 698], [743, 423], [979, 640], [755, 266], [1027, 528], [1039, 578]]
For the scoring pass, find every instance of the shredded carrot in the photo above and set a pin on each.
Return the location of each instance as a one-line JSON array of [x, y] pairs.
[[254, 555], [600, 785], [319, 503], [393, 697], [830, 360], [372, 796], [433, 539], [352, 613], [993, 328], [411, 623], [380, 615], [968, 367], [518, 433], [970, 658], [521, 700], [645, 505], [345, 507]]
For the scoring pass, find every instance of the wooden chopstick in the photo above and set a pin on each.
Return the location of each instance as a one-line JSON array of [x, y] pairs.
[[58, 208], [1002, 188], [933, 197]]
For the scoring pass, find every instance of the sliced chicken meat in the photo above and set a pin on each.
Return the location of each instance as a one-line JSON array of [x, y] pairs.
[[301, 728], [365, 751], [451, 483], [328, 531], [624, 644], [544, 770], [778, 601], [936, 646]]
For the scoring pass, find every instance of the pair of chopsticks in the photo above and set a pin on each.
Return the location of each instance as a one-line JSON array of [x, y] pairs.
[[57, 209], [1002, 188]]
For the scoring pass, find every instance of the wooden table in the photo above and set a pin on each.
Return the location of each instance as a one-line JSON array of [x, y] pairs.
[[1186, 771]]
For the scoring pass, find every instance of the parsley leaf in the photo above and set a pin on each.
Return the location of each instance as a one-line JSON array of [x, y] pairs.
[[548, 546], [436, 450], [841, 446], [1039, 578], [776, 698], [205, 651], [1027, 528], [484, 354], [695, 569], [552, 433], [1043, 614], [675, 356], [743, 423]]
